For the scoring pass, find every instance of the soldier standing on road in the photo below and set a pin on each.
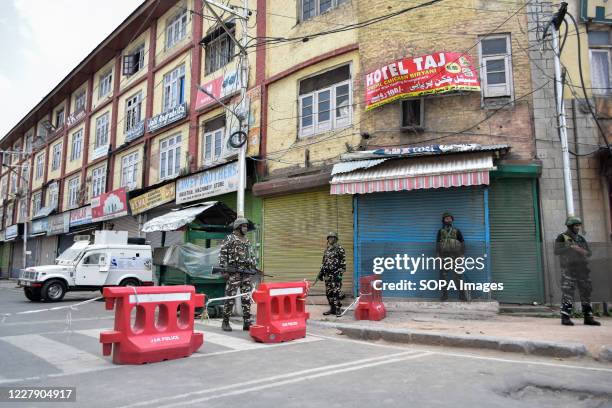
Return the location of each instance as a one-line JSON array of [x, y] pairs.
[[574, 251], [332, 268], [450, 244], [236, 252]]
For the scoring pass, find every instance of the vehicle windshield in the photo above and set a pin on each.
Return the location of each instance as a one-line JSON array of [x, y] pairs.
[[72, 253]]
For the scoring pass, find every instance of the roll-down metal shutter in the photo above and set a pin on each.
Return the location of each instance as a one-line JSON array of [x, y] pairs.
[[48, 250], [515, 250], [127, 223], [17, 263], [295, 230], [401, 223]]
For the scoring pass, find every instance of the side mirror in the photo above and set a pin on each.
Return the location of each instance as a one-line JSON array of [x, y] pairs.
[[104, 267]]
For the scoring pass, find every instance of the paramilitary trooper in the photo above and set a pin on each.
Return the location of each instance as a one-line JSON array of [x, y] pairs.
[[332, 269], [450, 244], [236, 252], [574, 251]]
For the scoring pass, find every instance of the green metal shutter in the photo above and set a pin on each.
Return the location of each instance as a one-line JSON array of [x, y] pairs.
[[515, 250], [5, 259], [295, 229]]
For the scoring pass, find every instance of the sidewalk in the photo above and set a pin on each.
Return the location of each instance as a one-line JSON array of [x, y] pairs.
[[530, 335]]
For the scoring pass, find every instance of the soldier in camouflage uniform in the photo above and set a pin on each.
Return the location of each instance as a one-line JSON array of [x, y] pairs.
[[450, 244], [236, 252], [574, 251], [332, 268]]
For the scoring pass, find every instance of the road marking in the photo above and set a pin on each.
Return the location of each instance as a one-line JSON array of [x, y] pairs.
[[283, 376], [95, 333], [67, 359], [326, 373], [39, 322]]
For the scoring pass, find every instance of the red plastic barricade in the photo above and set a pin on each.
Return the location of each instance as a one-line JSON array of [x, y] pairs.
[[281, 312], [370, 306], [150, 341]]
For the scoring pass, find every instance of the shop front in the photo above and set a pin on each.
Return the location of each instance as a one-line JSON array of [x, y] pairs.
[[400, 195]]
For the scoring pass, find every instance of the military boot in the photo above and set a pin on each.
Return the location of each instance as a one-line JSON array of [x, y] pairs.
[[338, 312], [225, 326], [246, 325], [331, 311], [587, 311], [566, 312]]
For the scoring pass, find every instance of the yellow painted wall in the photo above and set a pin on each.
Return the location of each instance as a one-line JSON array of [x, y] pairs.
[[121, 110], [128, 80], [52, 174], [283, 119], [75, 164], [37, 183], [118, 169], [65, 200], [92, 130], [154, 165], [203, 119], [96, 100], [281, 21], [162, 53], [159, 77]]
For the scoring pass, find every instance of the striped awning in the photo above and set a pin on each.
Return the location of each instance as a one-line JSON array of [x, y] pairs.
[[415, 174]]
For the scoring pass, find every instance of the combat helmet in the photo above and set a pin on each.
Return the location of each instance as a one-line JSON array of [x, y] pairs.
[[447, 214], [332, 234], [239, 222], [572, 220]]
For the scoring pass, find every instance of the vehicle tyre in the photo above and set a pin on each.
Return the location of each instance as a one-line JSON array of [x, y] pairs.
[[32, 294], [130, 282], [53, 290]]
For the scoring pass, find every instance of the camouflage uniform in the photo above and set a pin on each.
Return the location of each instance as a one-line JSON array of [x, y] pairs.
[[332, 268], [236, 252], [574, 270], [450, 244]]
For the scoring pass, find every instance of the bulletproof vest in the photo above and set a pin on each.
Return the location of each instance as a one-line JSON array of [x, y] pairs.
[[573, 257], [449, 243]]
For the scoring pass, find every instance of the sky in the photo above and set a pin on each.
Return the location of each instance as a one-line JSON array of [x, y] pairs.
[[41, 41]]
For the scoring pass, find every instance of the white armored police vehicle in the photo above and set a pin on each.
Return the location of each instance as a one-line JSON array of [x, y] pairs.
[[112, 260]]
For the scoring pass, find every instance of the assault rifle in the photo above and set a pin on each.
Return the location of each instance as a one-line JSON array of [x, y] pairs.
[[231, 269]]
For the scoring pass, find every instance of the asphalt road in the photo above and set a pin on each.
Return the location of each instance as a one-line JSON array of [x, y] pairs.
[[61, 349]]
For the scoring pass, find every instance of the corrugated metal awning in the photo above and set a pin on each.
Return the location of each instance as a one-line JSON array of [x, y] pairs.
[[414, 174], [43, 212]]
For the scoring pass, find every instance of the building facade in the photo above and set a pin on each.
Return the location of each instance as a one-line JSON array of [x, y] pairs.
[[369, 119]]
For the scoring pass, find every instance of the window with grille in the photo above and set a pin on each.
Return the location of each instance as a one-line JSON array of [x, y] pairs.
[[169, 157], [59, 118], [36, 202], [53, 195]]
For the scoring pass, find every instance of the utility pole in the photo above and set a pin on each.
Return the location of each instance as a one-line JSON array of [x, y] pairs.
[[561, 118], [26, 186], [242, 114]]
